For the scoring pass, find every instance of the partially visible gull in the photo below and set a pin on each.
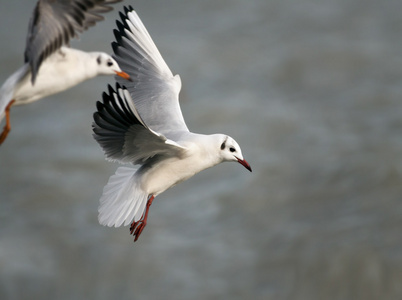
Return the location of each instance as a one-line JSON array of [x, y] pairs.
[[141, 123], [50, 65]]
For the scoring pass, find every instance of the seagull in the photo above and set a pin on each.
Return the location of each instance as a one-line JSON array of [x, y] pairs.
[[141, 123], [50, 65]]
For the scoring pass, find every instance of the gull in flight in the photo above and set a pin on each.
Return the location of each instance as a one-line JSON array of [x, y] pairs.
[[50, 65], [141, 123]]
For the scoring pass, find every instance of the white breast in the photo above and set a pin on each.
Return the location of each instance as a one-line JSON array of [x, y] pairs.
[[172, 171]]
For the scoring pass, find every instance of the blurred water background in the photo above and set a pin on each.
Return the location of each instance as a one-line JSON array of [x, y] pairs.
[[312, 92]]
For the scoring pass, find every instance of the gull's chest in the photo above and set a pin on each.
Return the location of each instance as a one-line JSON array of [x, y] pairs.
[[171, 172]]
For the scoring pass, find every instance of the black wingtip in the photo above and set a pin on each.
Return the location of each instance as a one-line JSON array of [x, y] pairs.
[[126, 10], [123, 16], [119, 32], [111, 90], [96, 117], [115, 47]]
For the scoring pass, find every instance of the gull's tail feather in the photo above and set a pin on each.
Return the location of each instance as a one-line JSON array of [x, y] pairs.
[[7, 90], [122, 201]]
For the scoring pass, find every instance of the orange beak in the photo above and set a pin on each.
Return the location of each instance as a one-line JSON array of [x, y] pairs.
[[123, 75]]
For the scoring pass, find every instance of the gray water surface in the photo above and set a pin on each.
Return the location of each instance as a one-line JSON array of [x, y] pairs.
[[312, 92]]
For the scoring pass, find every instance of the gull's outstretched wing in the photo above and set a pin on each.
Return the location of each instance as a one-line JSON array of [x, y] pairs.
[[154, 89], [123, 135], [55, 22]]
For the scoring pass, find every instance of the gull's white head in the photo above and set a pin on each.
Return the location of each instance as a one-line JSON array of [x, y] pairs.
[[106, 65], [229, 150]]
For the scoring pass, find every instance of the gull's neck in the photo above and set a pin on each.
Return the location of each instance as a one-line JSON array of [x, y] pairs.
[[208, 149]]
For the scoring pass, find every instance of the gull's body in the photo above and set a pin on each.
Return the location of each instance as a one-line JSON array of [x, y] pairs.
[[141, 123], [171, 171], [75, 65], [50, 66]]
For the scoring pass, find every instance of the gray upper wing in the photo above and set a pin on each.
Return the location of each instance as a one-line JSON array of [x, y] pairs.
[[55, 22], [154, 89]]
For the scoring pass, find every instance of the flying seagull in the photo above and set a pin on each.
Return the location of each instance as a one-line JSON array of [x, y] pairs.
[[140, 123], [50, 65]]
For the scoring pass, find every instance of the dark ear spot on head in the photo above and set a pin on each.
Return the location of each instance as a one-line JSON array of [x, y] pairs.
[[223, 146], [98, 60]]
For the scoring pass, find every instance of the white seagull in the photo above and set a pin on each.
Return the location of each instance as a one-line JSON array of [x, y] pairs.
[[140, 123], [50, 65]]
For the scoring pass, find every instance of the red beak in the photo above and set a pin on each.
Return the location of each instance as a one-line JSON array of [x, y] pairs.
[[123, 75], [245, 164]]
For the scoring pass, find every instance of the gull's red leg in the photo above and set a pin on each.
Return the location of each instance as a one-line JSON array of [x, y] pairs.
[[6, 128], [136, 228]]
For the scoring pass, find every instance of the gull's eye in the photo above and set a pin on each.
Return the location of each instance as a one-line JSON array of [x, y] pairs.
[[109, 63], [231, 149]]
